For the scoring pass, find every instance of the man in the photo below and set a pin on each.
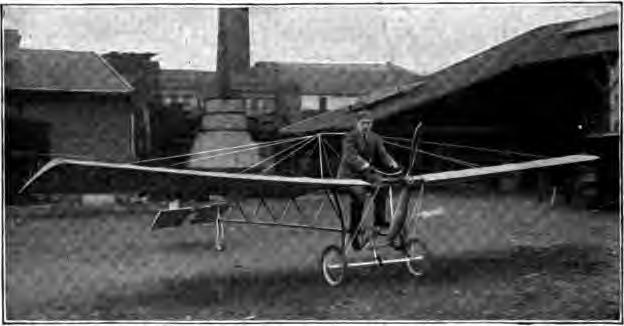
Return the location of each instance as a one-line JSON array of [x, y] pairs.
[[362, 151]]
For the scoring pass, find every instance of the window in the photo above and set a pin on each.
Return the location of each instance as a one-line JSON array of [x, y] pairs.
[[322, 104], [309, 102]]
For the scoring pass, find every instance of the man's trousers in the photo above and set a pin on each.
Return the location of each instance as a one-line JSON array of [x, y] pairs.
[[358, 199]]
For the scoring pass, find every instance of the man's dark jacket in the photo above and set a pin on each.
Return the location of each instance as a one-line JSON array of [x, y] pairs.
[[358, 150]]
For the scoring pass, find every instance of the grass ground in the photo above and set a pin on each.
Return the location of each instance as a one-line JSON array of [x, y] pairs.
[[493, 258]]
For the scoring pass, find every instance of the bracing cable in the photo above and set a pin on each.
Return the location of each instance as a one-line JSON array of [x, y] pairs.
[[256, 146], [279, 141], [450, 159], [276, 155], [289, 155]]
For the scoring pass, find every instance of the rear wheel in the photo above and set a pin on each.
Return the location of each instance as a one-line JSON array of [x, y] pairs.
[[333, 265], [417, 253]]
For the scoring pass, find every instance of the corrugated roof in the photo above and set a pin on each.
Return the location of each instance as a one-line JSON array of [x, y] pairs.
[[542, 44], [337, 78], [61, 70]]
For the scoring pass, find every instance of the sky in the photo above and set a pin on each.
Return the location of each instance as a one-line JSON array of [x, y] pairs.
[[421, 37]]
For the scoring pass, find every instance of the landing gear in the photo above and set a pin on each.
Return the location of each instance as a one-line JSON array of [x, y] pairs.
[[413, 253], [220, 235], [333, 265], [416, 254]]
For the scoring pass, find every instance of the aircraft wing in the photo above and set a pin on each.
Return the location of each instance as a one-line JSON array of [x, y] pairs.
[[77, 176], [481, 172]]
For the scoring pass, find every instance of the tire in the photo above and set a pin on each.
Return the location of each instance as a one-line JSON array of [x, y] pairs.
[[333, 265], [415, 248]]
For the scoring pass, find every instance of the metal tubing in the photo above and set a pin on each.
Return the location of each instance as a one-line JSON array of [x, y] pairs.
[[320, 148], [378, 263], [416, 208], [255, 213], [294, 200], [340, 215], [266, 206], [318, 211], [391, 199], [220, 232], [287, 225], [285, 210], [242, 211]]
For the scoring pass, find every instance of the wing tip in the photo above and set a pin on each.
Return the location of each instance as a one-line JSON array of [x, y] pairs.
[[49, 165]]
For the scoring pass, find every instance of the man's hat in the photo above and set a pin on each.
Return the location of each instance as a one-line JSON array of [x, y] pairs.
[[364, 115]]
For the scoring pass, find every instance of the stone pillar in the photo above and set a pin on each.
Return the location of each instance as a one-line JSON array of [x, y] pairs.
[[224, 124]]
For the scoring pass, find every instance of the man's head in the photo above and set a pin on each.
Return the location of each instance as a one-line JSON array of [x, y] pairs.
[[364, 121]]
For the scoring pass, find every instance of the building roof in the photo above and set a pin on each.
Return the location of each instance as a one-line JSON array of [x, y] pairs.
[[607, 20], [543, 44], [61, 70], [351, 79], [184, 80]]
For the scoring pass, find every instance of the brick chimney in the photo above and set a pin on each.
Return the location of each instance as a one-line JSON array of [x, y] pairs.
[[224, 122], [233, 48]]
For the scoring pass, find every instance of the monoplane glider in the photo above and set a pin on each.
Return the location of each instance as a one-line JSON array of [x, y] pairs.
[[278, 196]]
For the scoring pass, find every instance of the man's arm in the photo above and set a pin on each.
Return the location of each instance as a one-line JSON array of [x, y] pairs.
[[385, 157], [351, 155]]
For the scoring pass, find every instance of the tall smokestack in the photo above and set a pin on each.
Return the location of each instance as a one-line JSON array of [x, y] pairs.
[[233, 47]]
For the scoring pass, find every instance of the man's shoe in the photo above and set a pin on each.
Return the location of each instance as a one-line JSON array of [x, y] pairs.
[[355, 244]]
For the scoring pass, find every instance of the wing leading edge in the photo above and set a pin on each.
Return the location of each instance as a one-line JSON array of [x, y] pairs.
[[467, 174], [76, 176]]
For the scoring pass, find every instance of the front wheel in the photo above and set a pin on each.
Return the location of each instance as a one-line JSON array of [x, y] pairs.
[[417, 253], [333, 265]]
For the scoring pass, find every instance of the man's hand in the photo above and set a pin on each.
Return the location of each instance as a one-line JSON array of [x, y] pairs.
[[394, 166]]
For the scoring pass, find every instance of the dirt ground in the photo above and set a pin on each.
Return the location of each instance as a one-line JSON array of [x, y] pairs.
[[492, 258]]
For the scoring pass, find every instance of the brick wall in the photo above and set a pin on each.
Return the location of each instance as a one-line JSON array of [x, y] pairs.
[[224, 121], [88, 125]]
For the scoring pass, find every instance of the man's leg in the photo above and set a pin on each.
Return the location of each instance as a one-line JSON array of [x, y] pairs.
[[358, 198], [380, 208]]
